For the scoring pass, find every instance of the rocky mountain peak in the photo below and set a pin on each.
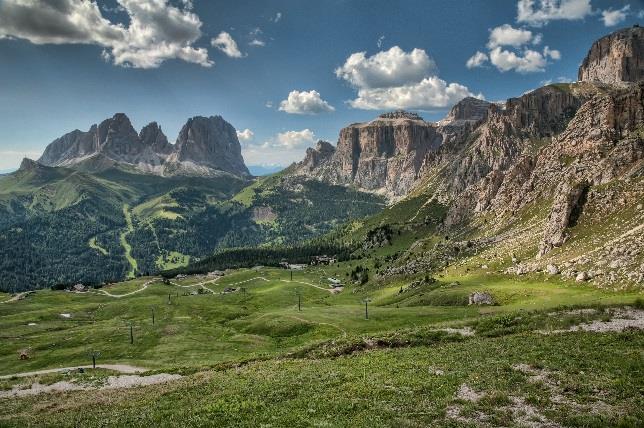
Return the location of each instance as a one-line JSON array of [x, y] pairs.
[[617, 57], [315, 156], [205, 146], [211, 142], [469, 108], [400, 114], [28, 165], [152, 136]]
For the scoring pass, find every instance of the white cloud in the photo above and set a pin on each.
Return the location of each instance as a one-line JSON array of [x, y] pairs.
[[268, 104], [640, 14], [283, 149], [380, 40], [613, 17], [476, 60], [225, 43], [540, 12], [245, 135], [507, 35], [390, 68], [529, 61], [431, 92], [293, 139], [523, 61], [396, 79], [277, 18], [257, 43], [552, 53], [156, 30], [305, 103]]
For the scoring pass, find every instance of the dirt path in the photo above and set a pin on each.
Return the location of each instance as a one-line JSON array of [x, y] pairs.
[[123, 368], [145, 285], [18, 296]]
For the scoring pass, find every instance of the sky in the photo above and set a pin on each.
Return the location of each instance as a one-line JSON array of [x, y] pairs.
[[284, 73]]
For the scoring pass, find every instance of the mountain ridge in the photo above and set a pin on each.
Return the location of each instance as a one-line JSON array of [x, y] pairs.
[[205, 146]]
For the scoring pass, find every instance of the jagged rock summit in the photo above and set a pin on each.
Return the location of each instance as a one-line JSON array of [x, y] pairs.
[[205, 146], [387, 154], [615, 58]]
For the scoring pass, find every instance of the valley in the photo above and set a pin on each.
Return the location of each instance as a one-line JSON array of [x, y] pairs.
[[482, 269]]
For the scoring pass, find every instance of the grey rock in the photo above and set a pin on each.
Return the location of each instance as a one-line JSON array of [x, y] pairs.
[[481, 298]]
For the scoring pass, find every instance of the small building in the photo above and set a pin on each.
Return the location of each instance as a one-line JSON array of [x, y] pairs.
[[284, 264], [215, 274], [180, 276], [296, 267], [79, 288], [323, 260], [335, 282]]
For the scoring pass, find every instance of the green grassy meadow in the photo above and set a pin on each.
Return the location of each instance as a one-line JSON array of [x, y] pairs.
[[251, 358]]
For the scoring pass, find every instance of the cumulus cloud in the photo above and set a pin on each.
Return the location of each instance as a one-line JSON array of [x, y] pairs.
[[282, 149], [305, 103], [476, 60], [293, 139], [396, 79], [225, 43], [529, 61], [157, 30], [277, 18], [506, 35], [540, 12], [431, 92], [390, 68], [381, 39], [245, 135], [257, 43], [613, 17], [521, 59]]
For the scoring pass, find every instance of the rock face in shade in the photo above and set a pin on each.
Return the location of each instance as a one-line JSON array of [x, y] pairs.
[[618, 57], [208, 143], [206, 146]]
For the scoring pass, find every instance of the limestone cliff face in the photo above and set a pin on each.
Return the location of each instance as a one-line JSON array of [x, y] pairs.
[[206, 146], [618, 57], [384, 155]]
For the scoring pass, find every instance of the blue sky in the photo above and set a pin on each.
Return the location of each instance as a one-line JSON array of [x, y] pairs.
[[167, 60]]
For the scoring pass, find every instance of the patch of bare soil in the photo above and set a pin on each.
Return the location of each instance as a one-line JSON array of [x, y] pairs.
[[112, 382], [621, 319]]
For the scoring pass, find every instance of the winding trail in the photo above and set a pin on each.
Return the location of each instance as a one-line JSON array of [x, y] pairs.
[[145, 285]]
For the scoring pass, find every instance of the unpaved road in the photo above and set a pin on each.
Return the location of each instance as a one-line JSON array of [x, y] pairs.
[[145, 285]]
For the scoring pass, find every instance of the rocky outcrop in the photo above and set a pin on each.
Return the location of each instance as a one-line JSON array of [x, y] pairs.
[[567, 206], [208, 143], [205, 146], [468, 109], [384, 155], [618, 57], [316, 156]]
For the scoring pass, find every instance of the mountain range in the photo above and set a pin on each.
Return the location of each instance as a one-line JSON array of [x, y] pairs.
[[550, 181], [206, 146]]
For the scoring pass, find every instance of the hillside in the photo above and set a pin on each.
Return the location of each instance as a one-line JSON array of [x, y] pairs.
[[548, 181]]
